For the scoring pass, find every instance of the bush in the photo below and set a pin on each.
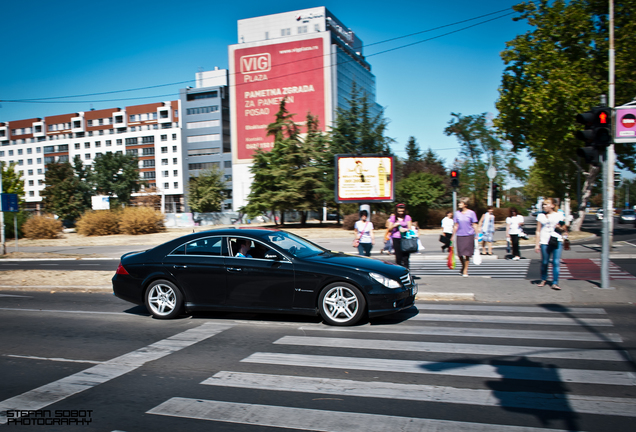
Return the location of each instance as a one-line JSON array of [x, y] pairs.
[[377, 219], [141, 220], [435, 217], [98, 223], [42, 227], [349, 221]]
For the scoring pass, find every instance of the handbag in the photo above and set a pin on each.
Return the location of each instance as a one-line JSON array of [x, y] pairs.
[[450, 261], [443, 239], [476, 254], [566, 244], [553, 243], [355, 243], [409, 245]]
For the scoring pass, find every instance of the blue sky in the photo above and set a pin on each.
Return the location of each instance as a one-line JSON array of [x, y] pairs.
[[75, 47]]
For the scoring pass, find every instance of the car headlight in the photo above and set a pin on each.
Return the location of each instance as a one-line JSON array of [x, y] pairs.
[[387, 282]]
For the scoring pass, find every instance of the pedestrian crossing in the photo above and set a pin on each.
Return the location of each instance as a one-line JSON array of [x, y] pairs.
[[502, 269], [457, 368]]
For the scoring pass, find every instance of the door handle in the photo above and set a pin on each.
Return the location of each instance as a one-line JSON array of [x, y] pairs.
[[234, 269], [179, 266]]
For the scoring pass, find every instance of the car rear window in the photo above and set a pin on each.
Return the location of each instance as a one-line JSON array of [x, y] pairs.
[[209, 246]]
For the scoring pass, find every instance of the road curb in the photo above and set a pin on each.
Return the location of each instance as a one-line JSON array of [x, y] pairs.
[[70, 288], [431, 296]]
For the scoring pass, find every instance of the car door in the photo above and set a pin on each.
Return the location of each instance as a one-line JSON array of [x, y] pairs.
[[199, 269], [259, 280]]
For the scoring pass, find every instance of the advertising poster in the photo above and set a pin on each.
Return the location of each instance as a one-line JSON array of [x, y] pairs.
[[264, 76], [625, 130], [364, 179]]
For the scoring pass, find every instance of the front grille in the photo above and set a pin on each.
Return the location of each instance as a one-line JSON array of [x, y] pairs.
[[406, 279]]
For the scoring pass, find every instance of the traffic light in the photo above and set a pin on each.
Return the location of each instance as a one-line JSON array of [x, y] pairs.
[[597, 134], [454, 175], [495, 192]]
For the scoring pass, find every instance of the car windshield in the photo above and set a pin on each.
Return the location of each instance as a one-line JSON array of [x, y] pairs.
[[294, 245], [628, 212]]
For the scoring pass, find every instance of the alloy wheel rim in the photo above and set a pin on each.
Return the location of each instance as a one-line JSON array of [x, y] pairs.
[[162, 299], [340, 304]]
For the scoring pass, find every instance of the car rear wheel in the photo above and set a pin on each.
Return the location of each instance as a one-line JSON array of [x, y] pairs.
[[341, 304], [164, 300]]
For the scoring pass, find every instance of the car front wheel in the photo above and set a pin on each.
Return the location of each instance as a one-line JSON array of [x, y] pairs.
[[164, 300], [341, 304]]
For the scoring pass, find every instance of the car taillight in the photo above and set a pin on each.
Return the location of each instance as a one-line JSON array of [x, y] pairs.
[[121, 270]]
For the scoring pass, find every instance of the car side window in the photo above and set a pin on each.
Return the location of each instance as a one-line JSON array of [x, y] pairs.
[[249, 248], [207, 246]]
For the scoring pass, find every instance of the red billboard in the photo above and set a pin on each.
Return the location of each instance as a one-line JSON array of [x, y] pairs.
[[264, 75]]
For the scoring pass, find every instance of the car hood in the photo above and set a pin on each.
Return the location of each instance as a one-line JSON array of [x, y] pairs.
[[342, 259]]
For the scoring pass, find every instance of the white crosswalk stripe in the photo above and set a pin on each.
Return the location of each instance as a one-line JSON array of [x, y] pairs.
[[503, 269], [489, 371]]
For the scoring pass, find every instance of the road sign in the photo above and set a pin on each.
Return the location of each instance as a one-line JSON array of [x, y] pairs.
[[625, 130], [492, 172], [9, 202]]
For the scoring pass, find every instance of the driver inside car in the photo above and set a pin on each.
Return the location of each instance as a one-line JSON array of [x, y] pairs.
[[244, 247]]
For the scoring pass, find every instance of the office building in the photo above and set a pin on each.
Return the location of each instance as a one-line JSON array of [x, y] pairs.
[[308, 57]]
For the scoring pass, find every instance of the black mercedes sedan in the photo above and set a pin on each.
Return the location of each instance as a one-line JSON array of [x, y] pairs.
[[261, 270]]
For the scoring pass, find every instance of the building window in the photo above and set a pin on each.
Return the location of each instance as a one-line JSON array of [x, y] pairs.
[[164, 137], [31, 193], [174, 161], [204, 165], [119, 142], [31, 183], [77, 146], [29, 151], [166, 185], [206, 95], [204, 152], [202, 110], [227, 164], [39, 170], [285, 32], [148, 151], [149, 163], [109, 143], [174, 137], [30, 172], [87, 156], [98, 143], [149, 175], [166, 173], [174, 149], [302, 29], [175, 173], [19, 152], [39, 161], [164, 161], [203, 138], [131, 141], [132, 152], [176, 185], [164, 149], [87, 145], [148, 140], [29, 161]]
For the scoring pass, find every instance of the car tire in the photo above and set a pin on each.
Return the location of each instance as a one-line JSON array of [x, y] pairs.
[[341, 304], [163, 299]]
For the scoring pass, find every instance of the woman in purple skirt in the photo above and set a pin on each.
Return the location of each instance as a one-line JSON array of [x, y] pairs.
[[464, 233]]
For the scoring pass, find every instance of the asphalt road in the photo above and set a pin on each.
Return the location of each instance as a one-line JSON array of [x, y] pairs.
[[444, 367]]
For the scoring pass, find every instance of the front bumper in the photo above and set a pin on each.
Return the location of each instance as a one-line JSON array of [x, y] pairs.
[[385, 304]]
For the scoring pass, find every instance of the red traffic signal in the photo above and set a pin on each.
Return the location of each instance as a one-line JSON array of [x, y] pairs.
[[454, 175]]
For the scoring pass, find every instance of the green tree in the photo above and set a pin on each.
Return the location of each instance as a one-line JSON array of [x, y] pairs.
[[291, 175], [206, 192], [433, 164], [421, 191], [11, 183], [414, 162], [480, 147], [558, 69], [85, 188], [356, 130], [117, 176], [60, 195]]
